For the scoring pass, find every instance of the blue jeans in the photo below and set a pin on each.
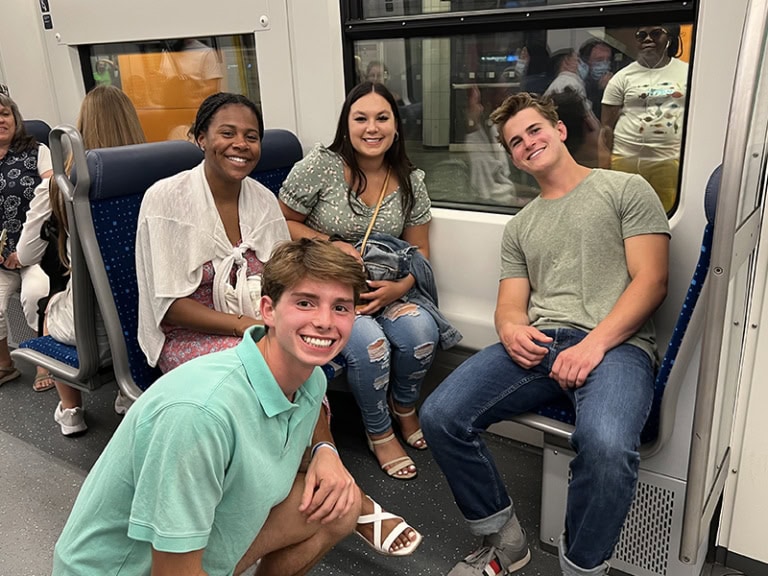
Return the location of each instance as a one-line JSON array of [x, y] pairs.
[[389, 352], [611, 409]]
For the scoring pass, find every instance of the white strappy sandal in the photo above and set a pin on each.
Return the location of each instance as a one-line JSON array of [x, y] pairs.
[[377, 518]]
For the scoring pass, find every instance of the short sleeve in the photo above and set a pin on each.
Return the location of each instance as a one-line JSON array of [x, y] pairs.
[[44, 162], [421, 212], [641, 209], [180, 458], [307, 179], [513, 263], [614, 91]]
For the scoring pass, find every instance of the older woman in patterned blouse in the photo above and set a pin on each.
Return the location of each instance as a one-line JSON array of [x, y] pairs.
[[23, 164]]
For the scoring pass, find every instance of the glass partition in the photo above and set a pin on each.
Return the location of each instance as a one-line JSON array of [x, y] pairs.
[[621, 92], [168, 79]]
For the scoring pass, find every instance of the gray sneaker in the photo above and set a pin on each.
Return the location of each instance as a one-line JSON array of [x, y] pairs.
[[71, 420], [489, 560]]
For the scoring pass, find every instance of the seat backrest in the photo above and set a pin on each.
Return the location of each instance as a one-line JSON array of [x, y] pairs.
[[280, 150], [120, 176], [107, 215], [39, 129]]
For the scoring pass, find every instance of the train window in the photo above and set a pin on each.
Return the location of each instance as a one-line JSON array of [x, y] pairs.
[[168, 79], [621, 91], [379, 8]]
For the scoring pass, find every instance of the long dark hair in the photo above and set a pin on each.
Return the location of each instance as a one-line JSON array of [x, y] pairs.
[[213, 103], [21, 142], [396, 157]]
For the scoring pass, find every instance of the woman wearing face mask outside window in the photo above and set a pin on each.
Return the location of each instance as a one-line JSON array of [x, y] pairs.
[[643, 109]]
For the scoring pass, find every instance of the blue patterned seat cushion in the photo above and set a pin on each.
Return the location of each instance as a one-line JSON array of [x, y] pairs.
[[114, 222], [53, 349]]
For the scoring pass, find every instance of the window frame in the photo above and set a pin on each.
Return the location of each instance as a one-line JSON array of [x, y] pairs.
[[607, 14]]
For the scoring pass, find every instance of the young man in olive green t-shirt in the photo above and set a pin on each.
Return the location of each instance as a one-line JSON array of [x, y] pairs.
[[584, 266]]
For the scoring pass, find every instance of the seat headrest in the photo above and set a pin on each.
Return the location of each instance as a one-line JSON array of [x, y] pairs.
[[279, 149], [38, 129], [127, 170], [711, 192]]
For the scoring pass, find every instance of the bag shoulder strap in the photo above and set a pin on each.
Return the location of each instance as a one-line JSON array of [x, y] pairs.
[[375, 212]]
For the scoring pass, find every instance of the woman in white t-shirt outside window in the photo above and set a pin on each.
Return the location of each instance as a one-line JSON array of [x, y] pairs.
[[643, 111]]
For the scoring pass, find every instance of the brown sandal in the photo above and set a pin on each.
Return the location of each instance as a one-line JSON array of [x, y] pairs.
[[394, 466], [8, 373], [37, 385], [415, 440]]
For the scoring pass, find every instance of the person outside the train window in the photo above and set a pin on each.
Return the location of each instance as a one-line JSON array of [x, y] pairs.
[[216, 467], [203, 299], [23, 164], [598, 55], [334, 193], [107, 118], [570, 73], [643, 111], [583, 268]]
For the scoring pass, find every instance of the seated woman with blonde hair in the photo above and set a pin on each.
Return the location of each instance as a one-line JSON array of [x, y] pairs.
[[107, 118]]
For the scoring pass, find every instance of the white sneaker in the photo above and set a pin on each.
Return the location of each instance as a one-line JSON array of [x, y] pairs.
[[122, 403], [71, 420]]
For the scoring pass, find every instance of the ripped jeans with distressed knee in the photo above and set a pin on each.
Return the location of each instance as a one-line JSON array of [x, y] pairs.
[[389, 353]]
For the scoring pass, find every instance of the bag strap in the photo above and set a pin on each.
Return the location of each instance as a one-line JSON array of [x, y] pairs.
[[375, 213]]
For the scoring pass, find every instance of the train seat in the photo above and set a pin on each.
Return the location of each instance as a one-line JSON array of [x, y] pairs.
[[77, 365], [39, 129], [123, 175], [557, 420]]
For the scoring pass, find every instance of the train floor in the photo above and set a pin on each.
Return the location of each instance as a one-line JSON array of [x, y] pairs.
[[42, 471]]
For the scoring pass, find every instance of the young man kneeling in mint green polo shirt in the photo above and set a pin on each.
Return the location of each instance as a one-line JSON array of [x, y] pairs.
[[207, 474]]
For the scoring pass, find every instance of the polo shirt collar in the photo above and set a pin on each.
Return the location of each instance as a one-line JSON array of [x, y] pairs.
[[270, 395]]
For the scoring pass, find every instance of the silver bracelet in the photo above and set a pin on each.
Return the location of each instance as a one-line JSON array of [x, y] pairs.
[[319, 445]]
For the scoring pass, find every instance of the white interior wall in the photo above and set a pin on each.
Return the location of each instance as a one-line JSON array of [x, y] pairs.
[[24, 61]]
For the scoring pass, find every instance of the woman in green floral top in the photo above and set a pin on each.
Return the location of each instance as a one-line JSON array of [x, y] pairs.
[[332, 193]]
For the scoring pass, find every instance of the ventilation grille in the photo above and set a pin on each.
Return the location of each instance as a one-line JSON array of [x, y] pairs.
[[647, 531]]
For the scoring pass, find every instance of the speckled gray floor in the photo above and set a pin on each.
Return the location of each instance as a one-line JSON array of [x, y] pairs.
[[41, 471]]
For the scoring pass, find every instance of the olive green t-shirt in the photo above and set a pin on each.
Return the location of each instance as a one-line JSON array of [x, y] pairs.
[[571, 249]]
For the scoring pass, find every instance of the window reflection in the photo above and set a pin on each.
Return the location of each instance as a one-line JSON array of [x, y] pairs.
[[168, 79], [447, 88]]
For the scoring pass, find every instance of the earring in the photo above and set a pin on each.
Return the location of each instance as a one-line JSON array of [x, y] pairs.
[[397, 136]]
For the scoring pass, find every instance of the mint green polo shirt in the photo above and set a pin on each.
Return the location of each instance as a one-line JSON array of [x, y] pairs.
[[198, 462]]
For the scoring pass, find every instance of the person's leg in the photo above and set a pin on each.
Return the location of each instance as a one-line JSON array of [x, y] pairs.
[[288, 545], [35, 286], [663, 175], [612, 407], [413, 336], [69, 413], [368, 364], [485, 389], [9, 283]]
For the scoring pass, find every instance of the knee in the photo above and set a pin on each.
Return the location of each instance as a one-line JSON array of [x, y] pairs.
[[343, 526], [438, 418], [607, 451]]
